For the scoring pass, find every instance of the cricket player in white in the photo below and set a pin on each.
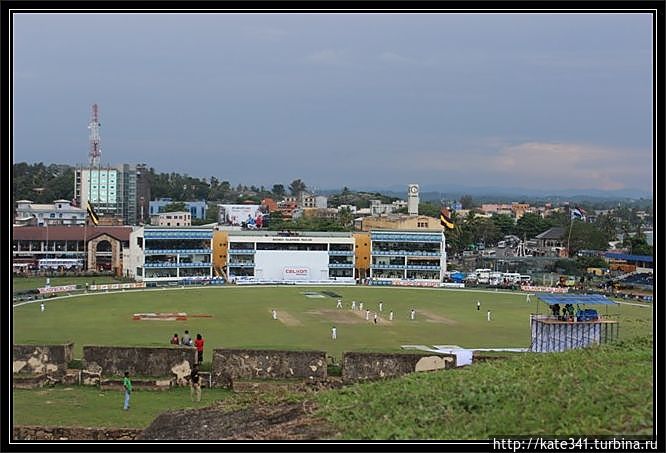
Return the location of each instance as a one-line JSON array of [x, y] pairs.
[[412, 314], [488, 315], [528, 298], [391, 316], [360, 306], [339, 305], [381, 306], [274, 314], [367, 315], [353, 305], [41, 306], [334, 333]]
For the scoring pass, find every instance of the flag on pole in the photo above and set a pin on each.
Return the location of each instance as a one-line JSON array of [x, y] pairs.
[[577, 213], [445, 219], [92, 213]]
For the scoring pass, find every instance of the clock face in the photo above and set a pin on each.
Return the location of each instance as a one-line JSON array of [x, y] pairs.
[[413, 189]]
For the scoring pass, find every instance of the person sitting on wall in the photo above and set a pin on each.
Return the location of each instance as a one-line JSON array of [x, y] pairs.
[[175, 339], [555, 308]]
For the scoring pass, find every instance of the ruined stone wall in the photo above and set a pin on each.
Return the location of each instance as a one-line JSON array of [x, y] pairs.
[[139, 361], [65, 433], [41, 359], [360, 366], [232, 364]]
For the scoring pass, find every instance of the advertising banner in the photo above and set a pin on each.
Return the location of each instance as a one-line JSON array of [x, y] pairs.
[[296, 273], [544, 289], [247, 215], [56, 289]]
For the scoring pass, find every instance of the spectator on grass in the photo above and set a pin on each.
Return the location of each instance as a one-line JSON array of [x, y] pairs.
[[195, 384], [199, 344], [127, 385], [175, 339], [186, 340]]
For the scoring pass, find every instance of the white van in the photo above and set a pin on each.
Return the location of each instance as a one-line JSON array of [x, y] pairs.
[[525, 279], [511, 277], [482, 275]]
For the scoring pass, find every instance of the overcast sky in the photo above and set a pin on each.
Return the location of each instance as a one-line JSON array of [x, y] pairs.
[[541, 101]]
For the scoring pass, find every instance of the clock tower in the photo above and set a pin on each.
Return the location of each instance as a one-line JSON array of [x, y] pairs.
[[413, 199]]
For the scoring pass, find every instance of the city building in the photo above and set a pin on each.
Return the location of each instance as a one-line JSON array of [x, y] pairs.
[[111, 190], [407, 255], [158, 254], [61, 212], [378, 208], [172, 219], [400, 222], [99, 248], [197, 209], [282, 256]]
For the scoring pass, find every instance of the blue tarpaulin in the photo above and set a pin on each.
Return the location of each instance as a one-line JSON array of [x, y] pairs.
[[586, 299], [625, 257]]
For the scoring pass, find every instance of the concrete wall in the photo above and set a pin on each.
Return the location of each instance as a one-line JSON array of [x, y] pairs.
[[139, 361], [360, 366], [232, 364], [41, 359], [65, 433]]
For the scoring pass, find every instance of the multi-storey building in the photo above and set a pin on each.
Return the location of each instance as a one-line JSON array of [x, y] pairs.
[[111, 190], [197, 208], [278, 256], [170, 254], [407, 255], [61, 212]]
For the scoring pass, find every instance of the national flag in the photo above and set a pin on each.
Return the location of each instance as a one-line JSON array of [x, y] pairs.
[[92, 214], [577, 213], [445, 219]]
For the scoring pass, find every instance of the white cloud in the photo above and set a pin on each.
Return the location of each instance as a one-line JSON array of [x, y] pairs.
[[532, 165]]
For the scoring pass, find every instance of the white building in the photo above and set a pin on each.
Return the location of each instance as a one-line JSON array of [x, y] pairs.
[[296, 257], [61, 212], [159, 255], [172, 219], [413, 199]]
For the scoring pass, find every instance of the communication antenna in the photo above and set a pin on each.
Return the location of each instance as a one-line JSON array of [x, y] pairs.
[[95, 150]]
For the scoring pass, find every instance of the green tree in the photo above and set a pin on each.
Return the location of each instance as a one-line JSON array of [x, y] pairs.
[[278, 190], [467, 201], [297, 187], [530, 225], [504, 223], [585, 236]]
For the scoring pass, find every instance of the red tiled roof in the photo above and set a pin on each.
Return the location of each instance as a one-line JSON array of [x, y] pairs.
[[69, 233]]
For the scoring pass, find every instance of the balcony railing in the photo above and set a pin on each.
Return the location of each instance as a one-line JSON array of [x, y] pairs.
[[242, 251], [403, 253], [174, 265], [340, 252], [177, 251]]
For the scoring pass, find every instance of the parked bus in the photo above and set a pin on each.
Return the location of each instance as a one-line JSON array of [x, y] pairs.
[[60, 263]]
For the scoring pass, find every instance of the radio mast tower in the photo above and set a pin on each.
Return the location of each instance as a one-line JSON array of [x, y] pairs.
[[95, 150]]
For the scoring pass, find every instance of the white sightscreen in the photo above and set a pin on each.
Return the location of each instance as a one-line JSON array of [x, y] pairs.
[[291, 265]]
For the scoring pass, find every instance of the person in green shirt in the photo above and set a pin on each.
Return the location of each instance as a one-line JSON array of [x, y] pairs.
[[127, 385]]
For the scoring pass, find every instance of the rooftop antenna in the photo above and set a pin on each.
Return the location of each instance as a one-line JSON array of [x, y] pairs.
[[95, 150]]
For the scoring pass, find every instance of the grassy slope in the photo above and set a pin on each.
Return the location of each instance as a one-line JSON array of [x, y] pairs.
[[242, 318], [604, 390], [91, 407]]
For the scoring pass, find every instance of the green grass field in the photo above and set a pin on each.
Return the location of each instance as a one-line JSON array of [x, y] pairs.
[[241, 318], [92, 407]]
